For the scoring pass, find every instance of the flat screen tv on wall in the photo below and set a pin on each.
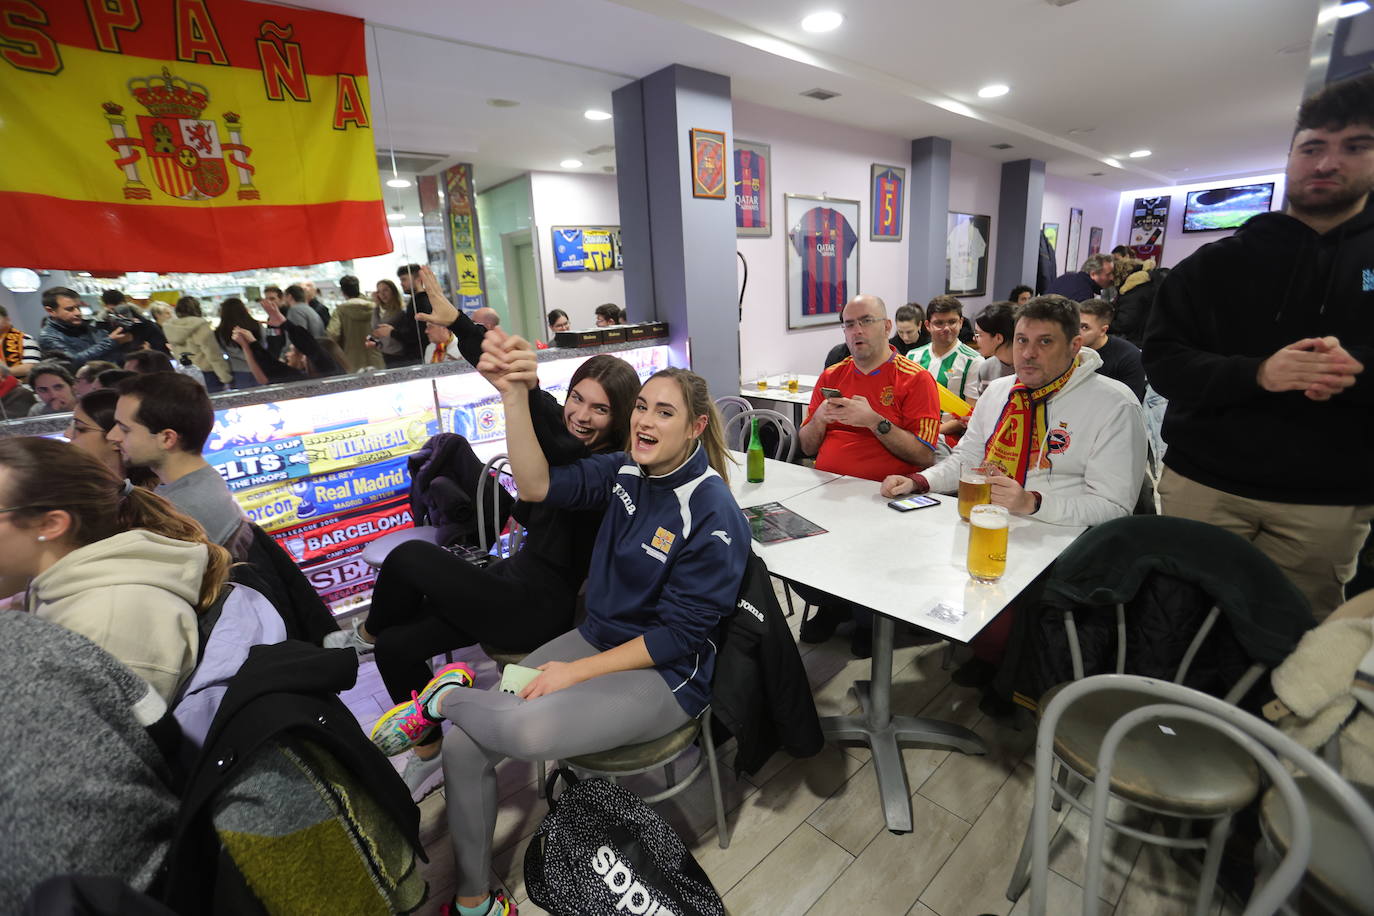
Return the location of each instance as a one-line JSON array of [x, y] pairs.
[[1225, 208]]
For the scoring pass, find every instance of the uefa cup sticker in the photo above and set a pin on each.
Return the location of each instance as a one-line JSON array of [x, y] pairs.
[[296, 547]]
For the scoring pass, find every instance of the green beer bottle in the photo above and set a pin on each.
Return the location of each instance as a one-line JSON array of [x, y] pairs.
[[754, 472]]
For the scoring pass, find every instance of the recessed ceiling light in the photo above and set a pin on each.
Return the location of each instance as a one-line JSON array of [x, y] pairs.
[[395, 217], [993, 91], [1138, 153], [1112, 162], [398, 183], [1344, 11], [596, 114], [571, 163], [824, 21]]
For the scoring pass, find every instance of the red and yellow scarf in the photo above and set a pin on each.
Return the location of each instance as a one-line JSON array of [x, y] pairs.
[[12, 347], [1021, 428]]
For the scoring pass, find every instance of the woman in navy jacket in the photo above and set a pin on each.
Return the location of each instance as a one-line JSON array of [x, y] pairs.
[[666, 567]]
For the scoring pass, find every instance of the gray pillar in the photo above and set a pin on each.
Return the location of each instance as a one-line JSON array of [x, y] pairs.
[[679, 249], [1018, 225], [929, 192]]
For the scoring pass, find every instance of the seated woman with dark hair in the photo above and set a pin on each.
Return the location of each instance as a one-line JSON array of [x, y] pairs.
[[111, 561], [307, 357], [665, 569]]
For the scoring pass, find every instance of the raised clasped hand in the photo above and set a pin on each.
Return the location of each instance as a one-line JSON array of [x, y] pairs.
[[1317, 366]]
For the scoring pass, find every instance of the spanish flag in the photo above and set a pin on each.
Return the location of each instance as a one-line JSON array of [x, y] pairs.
[[184, 135]]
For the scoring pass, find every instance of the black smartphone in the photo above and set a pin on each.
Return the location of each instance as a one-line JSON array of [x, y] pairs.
[[907, 503], [831, 392]]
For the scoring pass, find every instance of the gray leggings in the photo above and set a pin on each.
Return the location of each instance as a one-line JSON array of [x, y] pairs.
[[608, 711]]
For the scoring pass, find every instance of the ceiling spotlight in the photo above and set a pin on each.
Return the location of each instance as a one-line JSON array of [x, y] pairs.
[[571, 163], [398, 183], [1138, 153], [825, 21], [1343, 11], [19, 280], [1112, 162], [596, 114], [994, 91], [395, 217]]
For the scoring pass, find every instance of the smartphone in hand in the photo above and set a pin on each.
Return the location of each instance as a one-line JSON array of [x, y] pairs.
[[831, 392]]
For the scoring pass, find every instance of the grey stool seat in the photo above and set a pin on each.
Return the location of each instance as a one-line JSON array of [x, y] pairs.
[[377, 550], [635, 758], [503, 657], [1340, 870], [1194, 773]]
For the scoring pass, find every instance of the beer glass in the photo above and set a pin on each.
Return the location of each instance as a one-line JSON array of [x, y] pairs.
[[762, 381], [790, 381], [974, 489], [987, 542]]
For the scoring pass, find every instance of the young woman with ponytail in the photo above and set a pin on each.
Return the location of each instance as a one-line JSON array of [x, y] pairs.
[[111, 561], [666, 567]]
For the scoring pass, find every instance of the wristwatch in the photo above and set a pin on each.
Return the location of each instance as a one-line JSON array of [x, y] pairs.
[[884, 427]]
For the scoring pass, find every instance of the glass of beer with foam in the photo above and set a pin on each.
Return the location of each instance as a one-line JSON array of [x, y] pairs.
[[974, 489], [987, 542]]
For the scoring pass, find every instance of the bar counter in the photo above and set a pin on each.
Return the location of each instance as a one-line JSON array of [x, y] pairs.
[[321, 464]]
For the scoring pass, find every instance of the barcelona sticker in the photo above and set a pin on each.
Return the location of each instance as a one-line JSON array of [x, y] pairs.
[[708, 163]]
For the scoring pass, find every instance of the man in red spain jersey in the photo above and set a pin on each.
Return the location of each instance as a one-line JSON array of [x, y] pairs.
[[887, 416], [824, 240]]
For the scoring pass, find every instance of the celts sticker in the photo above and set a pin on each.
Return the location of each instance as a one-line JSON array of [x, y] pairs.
[[346, 534], [259, 463], [281, 505]]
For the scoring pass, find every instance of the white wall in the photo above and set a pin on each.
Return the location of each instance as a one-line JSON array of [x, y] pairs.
[[573, 199], [1099, 206], [974, 187], [1178, 244], [810, 156]]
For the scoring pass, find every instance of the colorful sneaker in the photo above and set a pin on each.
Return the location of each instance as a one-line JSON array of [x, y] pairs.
[[500, 906], [407, 724]]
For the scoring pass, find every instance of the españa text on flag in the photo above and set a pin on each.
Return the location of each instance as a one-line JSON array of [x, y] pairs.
[[184, 135]]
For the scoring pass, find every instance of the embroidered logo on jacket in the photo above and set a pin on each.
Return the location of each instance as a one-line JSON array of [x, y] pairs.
[[719, 533], [619, 491], [659, 545]]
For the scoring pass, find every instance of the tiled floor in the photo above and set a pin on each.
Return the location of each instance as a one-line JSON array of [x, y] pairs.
[[807, 835]]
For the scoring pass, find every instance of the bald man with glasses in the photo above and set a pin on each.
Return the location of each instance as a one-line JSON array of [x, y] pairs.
[[887, 415]]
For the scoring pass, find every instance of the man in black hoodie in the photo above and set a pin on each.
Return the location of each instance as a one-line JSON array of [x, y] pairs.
[[1263, 344]]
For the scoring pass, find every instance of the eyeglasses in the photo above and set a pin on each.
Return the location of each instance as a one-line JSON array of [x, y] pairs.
[[866, 321]]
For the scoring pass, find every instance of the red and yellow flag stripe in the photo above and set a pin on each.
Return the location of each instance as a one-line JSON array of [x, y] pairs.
[[186, 135]]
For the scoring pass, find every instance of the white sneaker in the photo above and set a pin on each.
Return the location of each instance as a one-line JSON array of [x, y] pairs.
[[419, 775], [349, 639]]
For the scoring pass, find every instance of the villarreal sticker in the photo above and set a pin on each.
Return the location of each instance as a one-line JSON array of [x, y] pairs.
[[663, 540], [888, 397]]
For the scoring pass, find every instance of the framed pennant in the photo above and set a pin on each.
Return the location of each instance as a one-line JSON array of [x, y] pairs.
[[708, 163]]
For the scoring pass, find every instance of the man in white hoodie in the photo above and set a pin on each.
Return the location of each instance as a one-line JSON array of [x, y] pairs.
[[1069, 443]]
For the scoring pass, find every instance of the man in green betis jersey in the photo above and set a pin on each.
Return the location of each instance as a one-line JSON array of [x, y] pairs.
[[954, 364]]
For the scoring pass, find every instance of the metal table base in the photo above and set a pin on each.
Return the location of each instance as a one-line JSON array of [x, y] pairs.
[[885, 733]]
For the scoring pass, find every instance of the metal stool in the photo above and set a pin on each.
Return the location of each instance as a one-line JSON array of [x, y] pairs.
[[633, 759], [1340, 874]]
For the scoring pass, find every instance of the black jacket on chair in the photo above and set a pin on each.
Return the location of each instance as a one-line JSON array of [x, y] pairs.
[[1169, 573], [760, 693]]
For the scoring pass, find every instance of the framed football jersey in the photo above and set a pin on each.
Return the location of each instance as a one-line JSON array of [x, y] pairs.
[[967, 239], [822, 258], [887, 191], [753, 178]]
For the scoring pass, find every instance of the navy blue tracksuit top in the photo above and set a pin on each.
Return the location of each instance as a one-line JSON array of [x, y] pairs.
[[668, 563]]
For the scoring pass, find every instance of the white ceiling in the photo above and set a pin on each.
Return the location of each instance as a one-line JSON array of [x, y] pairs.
[[1209, 85]]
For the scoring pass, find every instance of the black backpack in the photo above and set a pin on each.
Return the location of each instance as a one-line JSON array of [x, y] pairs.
[[601, 851]]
